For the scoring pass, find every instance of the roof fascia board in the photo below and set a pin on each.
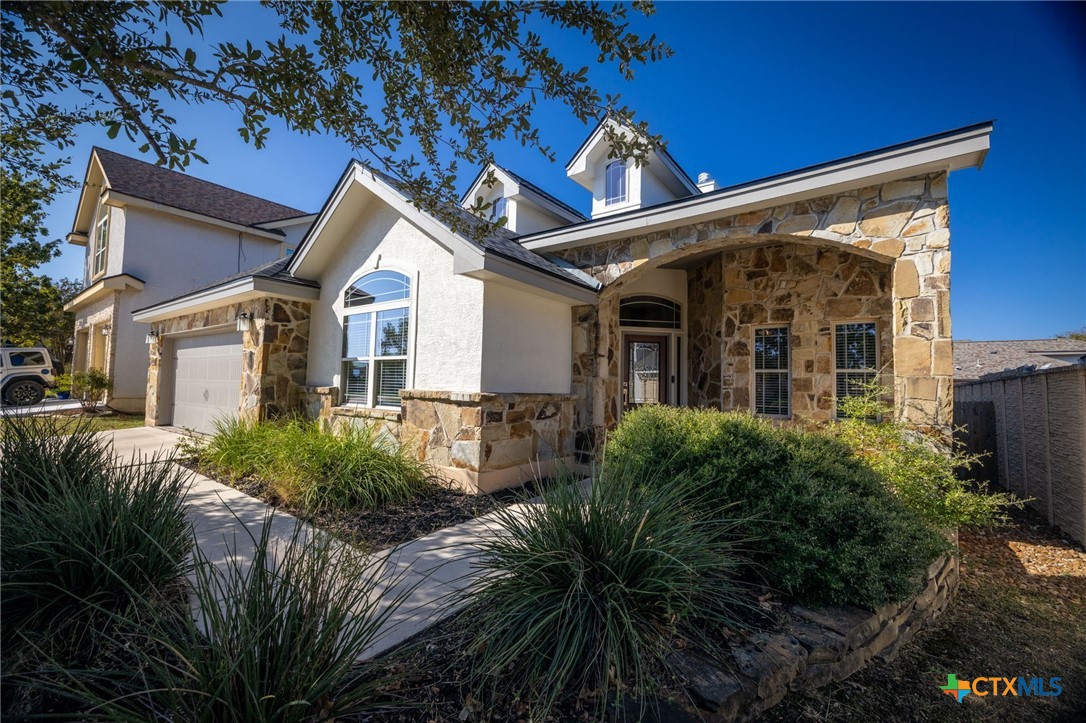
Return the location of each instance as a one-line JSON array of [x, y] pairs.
[[500, 269], [123, 199], [91, 163], [964, 150], [249, 287], [549, 206], [101, 288], [323, 216], [357, 173], [77, 239], [436, 230], [287, 222], [467, 200]]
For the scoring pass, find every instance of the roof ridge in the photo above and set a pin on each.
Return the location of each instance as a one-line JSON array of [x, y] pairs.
[[294, 212]]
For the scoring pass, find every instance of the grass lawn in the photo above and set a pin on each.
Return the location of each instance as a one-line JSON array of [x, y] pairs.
[[1020, 611], [104, 423]]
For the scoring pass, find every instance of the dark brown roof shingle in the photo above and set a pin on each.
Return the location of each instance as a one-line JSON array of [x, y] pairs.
[[153, 183]]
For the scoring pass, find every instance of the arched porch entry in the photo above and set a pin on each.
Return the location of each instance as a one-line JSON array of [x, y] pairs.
[[780, 325]]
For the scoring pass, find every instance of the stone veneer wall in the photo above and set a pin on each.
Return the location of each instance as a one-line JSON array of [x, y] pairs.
[[904, 223], [816, 647], [807, 288], [274, 352], [92, 319], [481, 441]]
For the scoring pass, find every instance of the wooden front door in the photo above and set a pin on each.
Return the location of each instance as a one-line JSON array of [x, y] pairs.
[[645, 377]]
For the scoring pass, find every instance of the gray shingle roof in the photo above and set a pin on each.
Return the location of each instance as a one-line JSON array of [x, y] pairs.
[[497, 240], [974, 359], [179, 190], [553, 199]]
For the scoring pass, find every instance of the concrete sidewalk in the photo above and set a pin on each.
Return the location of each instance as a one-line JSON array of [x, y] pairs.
[[226, 523]]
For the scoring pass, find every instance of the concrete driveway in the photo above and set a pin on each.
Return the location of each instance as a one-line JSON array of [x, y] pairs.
[[45, 406], [142, 441]]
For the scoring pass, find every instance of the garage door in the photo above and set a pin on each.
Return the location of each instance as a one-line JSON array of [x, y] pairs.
[[206, 380]]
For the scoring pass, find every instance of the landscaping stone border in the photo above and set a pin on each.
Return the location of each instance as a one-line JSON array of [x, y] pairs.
[[817, 646]]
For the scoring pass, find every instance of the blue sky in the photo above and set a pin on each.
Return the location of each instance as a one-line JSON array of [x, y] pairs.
[[757, 89]]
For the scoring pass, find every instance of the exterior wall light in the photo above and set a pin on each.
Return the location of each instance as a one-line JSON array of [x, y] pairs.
[[105, 330], [152, 335], [244, 321]]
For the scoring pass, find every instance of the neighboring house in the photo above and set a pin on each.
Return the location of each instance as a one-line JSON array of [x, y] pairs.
[[151, 234], [975, 359], [489, 355]]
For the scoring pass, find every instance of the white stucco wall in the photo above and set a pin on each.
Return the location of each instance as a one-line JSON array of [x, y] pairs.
[[131, 360], [171, 255], [179, 255], [447, 310], [527, 342]]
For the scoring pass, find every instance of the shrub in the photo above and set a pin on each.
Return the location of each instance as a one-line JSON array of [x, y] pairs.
[[81, 531], [315, 469], [829, 530], [91, 387], [277, 638], [922, 468], [83, 540], [583, 591]]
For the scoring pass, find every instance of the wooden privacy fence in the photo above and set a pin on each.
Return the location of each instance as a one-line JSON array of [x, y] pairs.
[[1033, 424]]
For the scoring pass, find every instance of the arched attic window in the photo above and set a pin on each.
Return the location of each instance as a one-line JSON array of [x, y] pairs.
[[376, 314], [649, 311], [615, 183]]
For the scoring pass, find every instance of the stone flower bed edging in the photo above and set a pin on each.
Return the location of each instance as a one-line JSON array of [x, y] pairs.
[[815, 647]]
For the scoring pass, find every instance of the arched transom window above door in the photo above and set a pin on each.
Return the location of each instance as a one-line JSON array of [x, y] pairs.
[[651, 312], [376, 321]]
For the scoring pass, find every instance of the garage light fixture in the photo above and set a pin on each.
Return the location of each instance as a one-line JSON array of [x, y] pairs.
[[152, 335], [243, 321], [105, 330]]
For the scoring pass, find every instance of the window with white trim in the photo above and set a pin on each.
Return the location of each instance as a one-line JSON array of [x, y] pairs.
[[615, 183], [772, 389], [376, 320], [499, 210], [101, 242], [856, 358]]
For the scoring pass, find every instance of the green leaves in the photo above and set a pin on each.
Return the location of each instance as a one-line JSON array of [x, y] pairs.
[[413, 88]]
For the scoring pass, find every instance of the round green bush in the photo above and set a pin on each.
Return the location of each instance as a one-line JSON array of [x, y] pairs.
[[827, 528]]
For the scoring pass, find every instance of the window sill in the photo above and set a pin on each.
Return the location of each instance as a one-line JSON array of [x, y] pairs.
[[360, 412]]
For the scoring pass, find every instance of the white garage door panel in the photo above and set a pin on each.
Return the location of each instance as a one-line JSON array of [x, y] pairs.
[[206, 380]]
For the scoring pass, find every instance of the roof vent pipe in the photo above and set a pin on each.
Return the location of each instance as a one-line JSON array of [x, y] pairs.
[[706, 182]]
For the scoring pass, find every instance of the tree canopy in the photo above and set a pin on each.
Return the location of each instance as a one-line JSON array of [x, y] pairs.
[[415, 88]]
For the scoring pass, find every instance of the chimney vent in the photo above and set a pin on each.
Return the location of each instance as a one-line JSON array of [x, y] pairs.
[[706, 182]]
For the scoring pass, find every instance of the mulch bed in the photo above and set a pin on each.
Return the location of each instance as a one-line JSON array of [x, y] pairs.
[[1020, 611], [438, 507]]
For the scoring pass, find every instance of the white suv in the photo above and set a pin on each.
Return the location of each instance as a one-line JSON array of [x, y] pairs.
[[25, 373]]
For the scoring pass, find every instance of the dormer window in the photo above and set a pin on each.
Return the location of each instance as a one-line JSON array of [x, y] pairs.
[[616, 182], [499, 210]]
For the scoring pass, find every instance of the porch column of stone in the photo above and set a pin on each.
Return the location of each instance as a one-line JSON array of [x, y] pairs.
[[154, 377], [923, 346]]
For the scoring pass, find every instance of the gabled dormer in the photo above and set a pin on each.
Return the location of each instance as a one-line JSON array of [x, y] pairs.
[[499, 193], [621, 184]]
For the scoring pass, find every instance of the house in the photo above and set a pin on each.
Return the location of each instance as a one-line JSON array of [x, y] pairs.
[[151, 234], [975, 359], [488, 353]]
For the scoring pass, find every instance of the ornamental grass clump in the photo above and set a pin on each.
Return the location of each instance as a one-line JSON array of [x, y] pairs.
[[85, 538], [586, 590], [81, 530], [315, 469], [275, 636], [828, 528]]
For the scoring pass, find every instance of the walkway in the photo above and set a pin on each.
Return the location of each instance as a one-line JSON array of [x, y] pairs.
[[225, 523]]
